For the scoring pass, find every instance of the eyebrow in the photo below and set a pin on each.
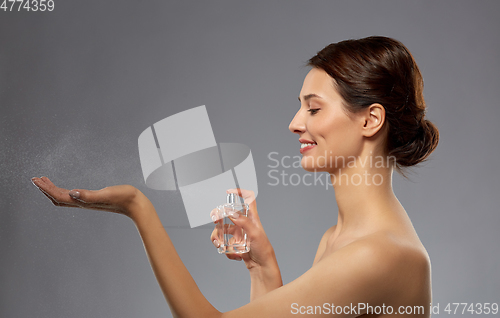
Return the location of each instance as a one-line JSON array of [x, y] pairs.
[[309, 96]]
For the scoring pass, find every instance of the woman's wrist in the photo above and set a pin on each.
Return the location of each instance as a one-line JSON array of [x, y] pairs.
[[263, 280], [267, 275], [138, 206]]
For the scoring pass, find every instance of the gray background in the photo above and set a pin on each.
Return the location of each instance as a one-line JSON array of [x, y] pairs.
[[79, 84]]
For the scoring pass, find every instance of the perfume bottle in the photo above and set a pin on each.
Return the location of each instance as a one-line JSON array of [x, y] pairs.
[[232, 238]]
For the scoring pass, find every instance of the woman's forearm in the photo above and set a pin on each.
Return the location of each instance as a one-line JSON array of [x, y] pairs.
[[265, 278], [180, 290]]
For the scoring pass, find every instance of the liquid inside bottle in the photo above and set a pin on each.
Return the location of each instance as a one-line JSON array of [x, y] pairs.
[[232, 238]]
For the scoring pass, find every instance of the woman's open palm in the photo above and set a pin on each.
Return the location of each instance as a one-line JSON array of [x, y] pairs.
[[113, 199]]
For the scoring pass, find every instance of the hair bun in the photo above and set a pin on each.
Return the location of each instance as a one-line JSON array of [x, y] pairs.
[[420, 147]]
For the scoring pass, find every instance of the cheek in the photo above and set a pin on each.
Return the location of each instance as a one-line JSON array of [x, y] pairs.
[[340, 138], [333, 131]]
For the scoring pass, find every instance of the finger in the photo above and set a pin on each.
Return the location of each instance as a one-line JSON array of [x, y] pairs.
[[217, 233], [104, 199], [245, 256], [216, 243], [116, 196], [36, 183], [58, 196], [242, 222], [247, 195], [229, 229], [57, 193], [214, 238], [249, 198], [89, 196], [54, 202], [66, 198], [215, 215], [234, 257], [49, 187], [40, 183]]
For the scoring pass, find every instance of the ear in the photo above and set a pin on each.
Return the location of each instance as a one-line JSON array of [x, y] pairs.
[[374, 118]]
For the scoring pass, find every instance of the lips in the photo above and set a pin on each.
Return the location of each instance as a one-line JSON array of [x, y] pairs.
[[306, 145], [307, 148]]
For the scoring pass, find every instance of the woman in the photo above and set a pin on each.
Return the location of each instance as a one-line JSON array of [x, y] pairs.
[[361, 116]]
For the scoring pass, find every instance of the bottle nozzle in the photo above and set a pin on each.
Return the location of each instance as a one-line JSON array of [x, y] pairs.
[[231, 198]]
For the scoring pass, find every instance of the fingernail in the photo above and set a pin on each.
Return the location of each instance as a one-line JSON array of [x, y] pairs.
[[216, 243], [74, 194]]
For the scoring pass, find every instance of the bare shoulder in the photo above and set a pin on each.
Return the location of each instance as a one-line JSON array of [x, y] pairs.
[[383, 267], [379, 269], [392, 242], [393, 261], [390, 252]]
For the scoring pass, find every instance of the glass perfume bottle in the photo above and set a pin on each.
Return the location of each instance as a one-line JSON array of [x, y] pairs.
[[232, 238]]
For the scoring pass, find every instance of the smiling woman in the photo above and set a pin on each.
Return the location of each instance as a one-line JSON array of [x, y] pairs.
[[361, 100], [382, 71]]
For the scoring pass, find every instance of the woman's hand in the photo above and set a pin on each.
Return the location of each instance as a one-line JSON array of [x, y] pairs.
[[179, 288], [260, 247], [119, 199], [260, 260]]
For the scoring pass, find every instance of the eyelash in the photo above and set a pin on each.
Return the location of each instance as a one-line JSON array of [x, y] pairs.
[[313, 111]]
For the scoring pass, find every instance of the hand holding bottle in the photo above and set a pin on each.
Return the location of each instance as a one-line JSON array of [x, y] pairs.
[[260, 260]]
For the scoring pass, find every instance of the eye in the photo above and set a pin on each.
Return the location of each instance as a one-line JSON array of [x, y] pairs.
[[313, 111]]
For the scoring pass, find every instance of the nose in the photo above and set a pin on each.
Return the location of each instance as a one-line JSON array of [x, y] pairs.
[[297, 125]]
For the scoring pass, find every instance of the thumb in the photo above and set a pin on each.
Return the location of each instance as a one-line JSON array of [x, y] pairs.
[[75, 194], [86, 196], [116, 198]]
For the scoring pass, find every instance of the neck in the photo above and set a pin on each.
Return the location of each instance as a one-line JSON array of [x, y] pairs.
[[364, 195]]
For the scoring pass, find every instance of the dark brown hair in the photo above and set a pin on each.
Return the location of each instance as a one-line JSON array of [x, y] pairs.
[[382, 70]]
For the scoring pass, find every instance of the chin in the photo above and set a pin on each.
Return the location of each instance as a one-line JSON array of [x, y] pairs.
[[311, 164]]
